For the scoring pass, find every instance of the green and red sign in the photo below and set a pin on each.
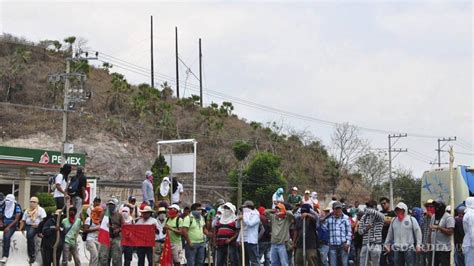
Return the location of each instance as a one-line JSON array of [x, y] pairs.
[[41, 158]]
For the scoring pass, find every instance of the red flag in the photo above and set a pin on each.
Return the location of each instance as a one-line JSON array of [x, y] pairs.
[[104, 236], [166, 254], [138, 235]]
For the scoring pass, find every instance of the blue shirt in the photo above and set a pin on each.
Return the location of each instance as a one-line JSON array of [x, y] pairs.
[[323, 234], [340, 231], [9, 220]]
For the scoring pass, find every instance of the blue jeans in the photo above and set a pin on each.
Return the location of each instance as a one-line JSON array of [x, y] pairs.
[[227, 253], [264, 249], [338, 256], [323, 254], [127, 255], [402, 257], [6, 241], [196, 255], [279, 255], [468, 255], [251, 254], [30, 240]]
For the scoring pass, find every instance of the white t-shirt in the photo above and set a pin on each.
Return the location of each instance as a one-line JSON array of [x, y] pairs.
[[41, 215], [175, 196], [62, 182], [151, 221], [92, 235]]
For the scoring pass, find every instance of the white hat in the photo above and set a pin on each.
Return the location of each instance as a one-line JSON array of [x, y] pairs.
[[402, 206], [295, 189], [174, 206], [148, 173], [146, 209]]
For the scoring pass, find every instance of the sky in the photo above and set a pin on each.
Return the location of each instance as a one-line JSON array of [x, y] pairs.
[[403, 67]]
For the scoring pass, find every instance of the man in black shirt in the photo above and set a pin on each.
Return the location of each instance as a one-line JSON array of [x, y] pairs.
[[386, 259], [308, 232], [77, 190]]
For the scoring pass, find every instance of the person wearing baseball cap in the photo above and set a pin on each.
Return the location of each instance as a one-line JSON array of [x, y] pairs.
[[147, 189], [32, 217], [442, 229], [294, 198], [307, 220], [194, 231], [173, 225], [340, 235], [404, 237]]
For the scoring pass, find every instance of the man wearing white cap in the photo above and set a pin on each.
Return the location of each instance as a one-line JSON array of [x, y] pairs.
[[404, 237], [294, 198], [147, 189]]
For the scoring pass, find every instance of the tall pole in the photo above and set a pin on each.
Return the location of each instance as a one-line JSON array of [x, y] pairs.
[[200, 73], [439, 150], [390, 159], [151, 53], [177, 62], [451, 181], [390, 170], [65, 109], [239, 189]]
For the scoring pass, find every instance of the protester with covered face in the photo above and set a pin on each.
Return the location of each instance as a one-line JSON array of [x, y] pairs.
[[194, 231], [340, 235], [306, 228], [91, 228], [323, 237], [250, 219], [442, 228], [76, 190], [281, 220], [459, 236], [264, 243], [114, 220], [147, 189], [32, 217], [161, 234], [174, 227], [404, 237], [177, 192], [226, 233], [49, 231], [468, 225], [10, 215], [370, 227], [278, 197], [127, 250], [71, 227]]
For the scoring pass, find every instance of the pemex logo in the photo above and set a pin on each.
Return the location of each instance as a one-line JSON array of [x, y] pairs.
[[44, 159]]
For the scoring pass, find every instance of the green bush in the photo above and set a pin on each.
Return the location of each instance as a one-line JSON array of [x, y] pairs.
[[45, 199]]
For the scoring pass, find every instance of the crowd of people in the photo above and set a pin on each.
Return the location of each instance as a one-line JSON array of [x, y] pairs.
[[296, 231]]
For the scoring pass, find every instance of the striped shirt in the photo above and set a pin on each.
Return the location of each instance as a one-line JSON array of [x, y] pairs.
[[376, 219], [340, 231], [224, 232]]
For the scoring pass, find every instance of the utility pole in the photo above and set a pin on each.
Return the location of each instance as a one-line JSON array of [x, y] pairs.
[[151, 52], [200, 73], [239, 188], [439, 147], [390, 159], [177, 63], [65, 109]]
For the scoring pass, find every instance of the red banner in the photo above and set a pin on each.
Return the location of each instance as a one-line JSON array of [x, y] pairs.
[[167, 254], [138, 235]]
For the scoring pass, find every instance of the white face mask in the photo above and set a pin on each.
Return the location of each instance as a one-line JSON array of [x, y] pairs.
[[162, 216], [125, 214]]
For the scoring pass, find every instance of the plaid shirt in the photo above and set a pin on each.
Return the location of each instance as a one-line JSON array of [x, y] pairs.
[[340, 231]]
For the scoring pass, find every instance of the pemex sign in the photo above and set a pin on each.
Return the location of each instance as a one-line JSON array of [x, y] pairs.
[[40, 158]]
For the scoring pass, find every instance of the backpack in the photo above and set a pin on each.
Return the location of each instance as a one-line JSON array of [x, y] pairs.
[[52, 183], [73, 187]]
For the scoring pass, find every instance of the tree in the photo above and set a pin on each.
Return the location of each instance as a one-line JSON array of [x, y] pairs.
[[118, 94], [372, 167], [261, 178], [347, 146], [159, 169], [13, 73], [146, 100], [406, 188], [241, 150]]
